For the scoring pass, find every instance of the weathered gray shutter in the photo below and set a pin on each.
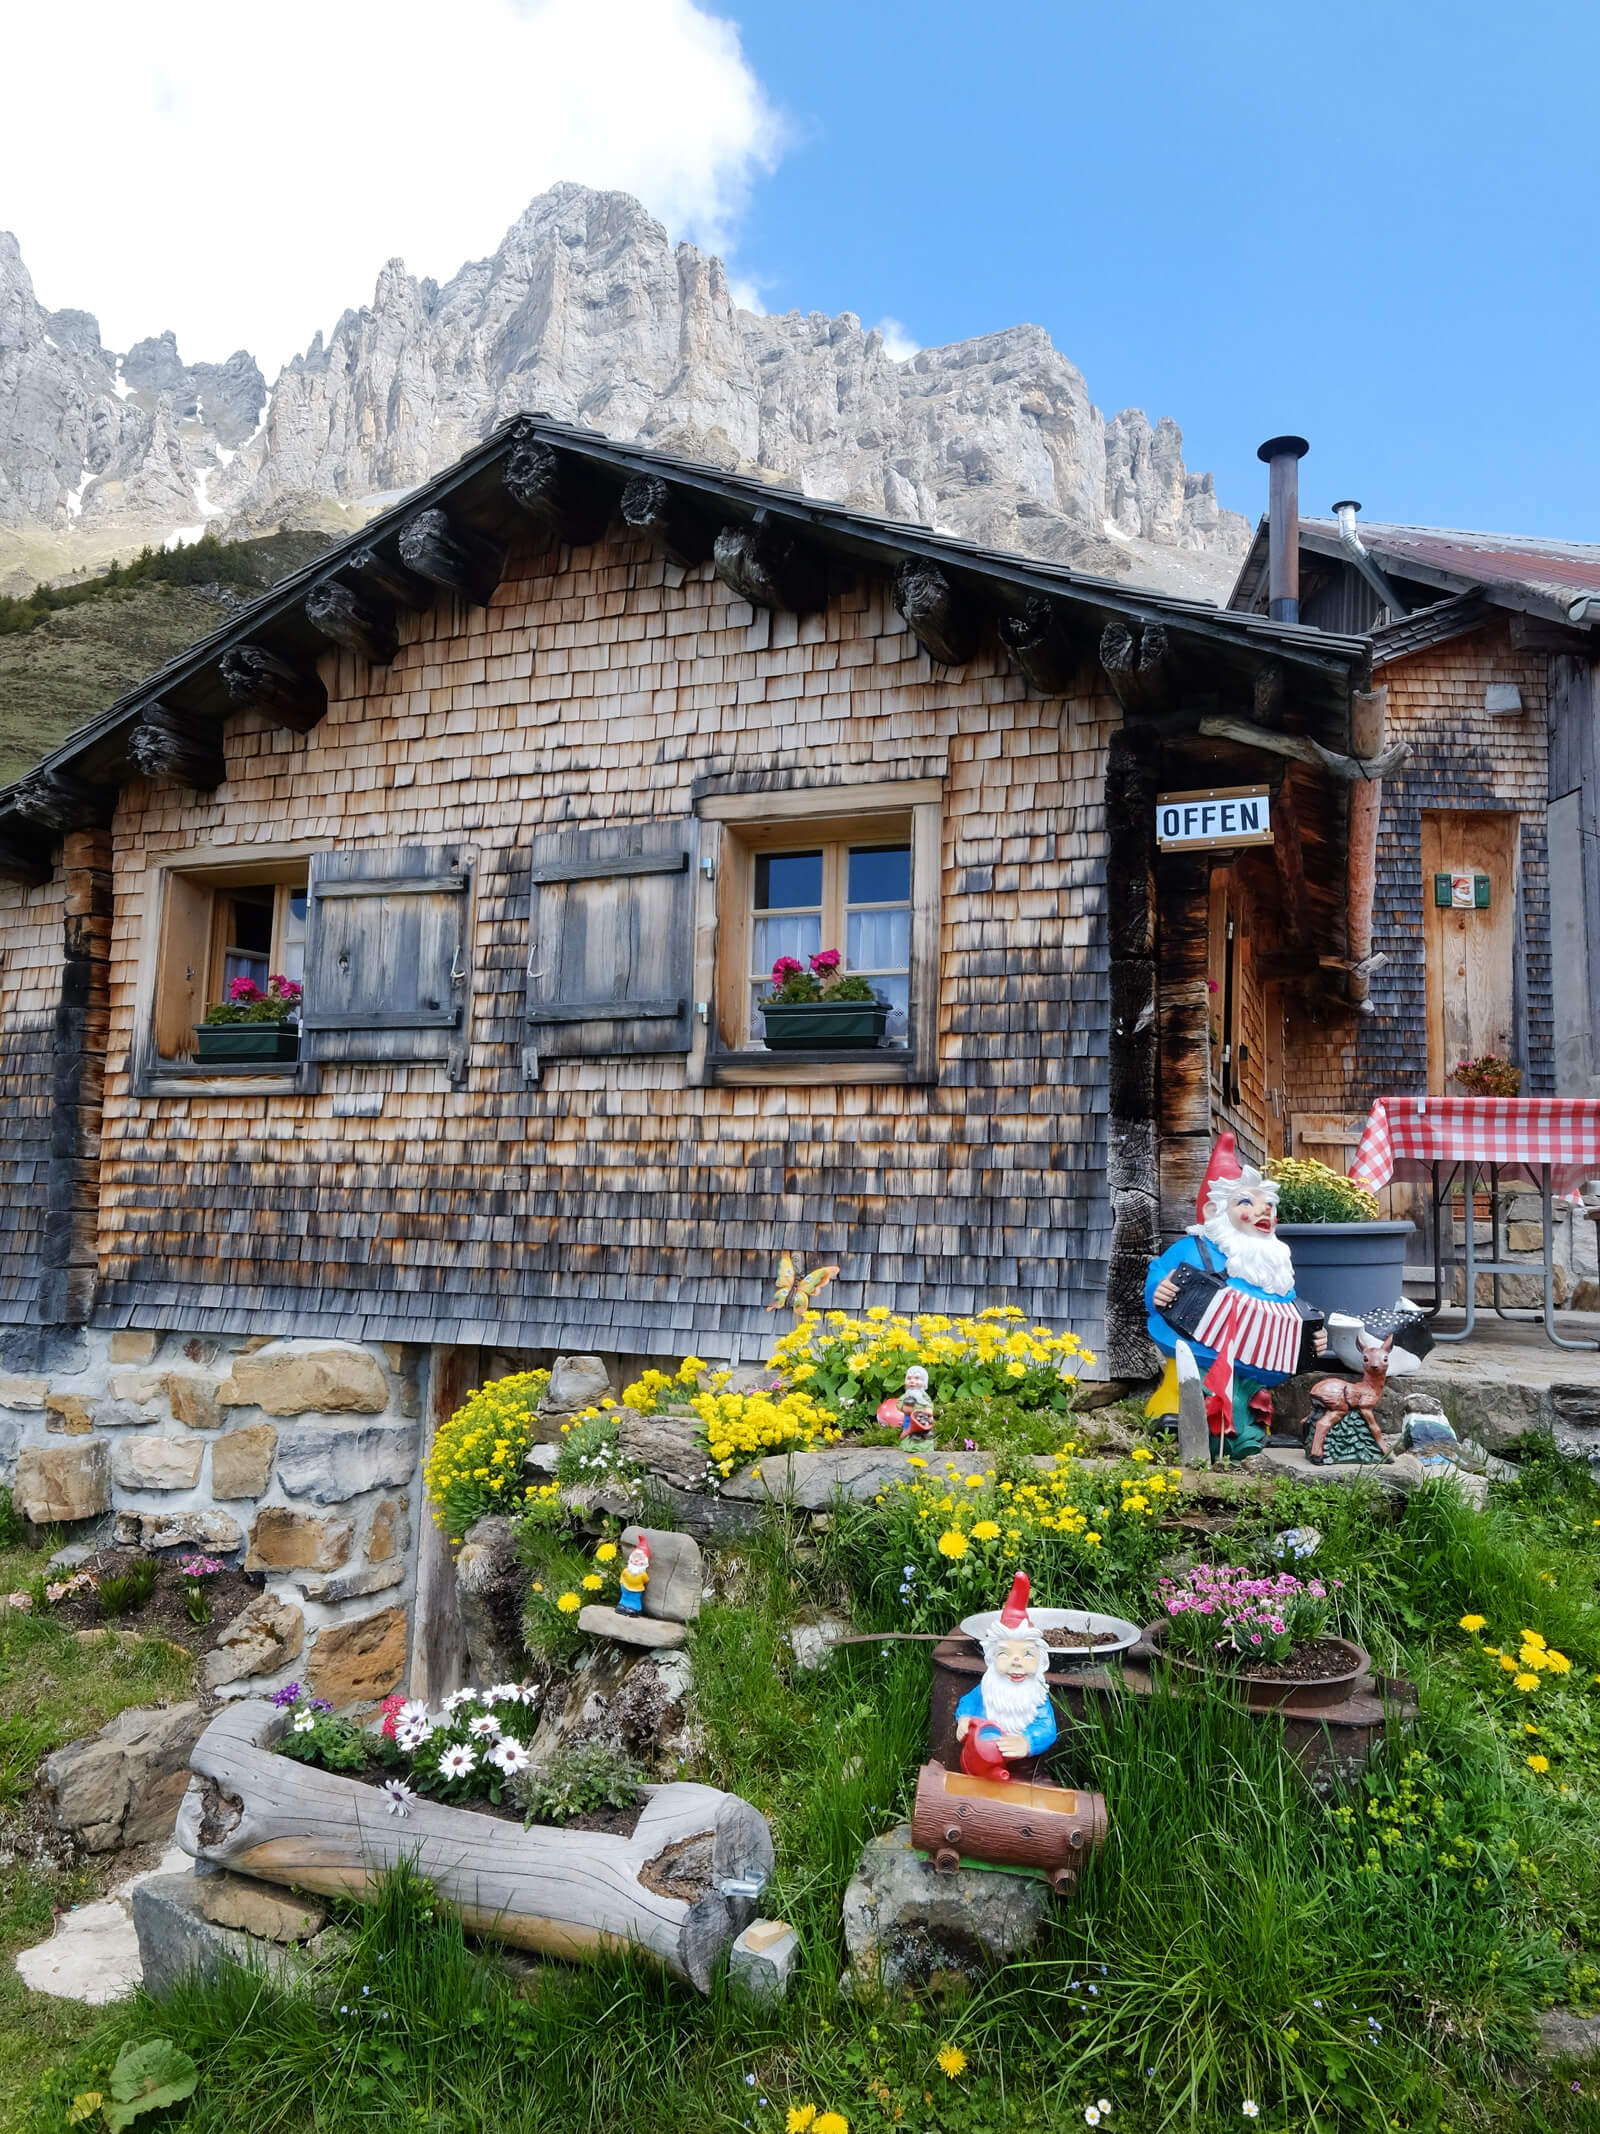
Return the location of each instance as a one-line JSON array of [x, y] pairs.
[[611, 940], [387, 956]]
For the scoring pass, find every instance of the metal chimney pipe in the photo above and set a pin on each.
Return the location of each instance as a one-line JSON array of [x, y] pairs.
[[1283, 456]]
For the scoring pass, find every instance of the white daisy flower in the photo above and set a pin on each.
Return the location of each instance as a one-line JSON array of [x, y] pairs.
[[1105, 2104], [502, 1693], [485, 1726], [458, 1762], [412, 1713], [1252, 2110], [510, 1757], [413, 1736], [304, 1722], [530, 1693], [459, 1697], [1091, 2115], [400, 1796]]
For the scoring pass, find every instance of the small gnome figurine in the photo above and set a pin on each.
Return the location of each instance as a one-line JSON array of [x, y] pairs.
[[635, 1577], [1009, 1714], [911, 1411]]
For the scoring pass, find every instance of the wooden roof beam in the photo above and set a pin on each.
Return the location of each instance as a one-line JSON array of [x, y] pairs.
[[257, 680], [654, 507], [1223, 726], [455, 557], [559, 494], [177, 746], [59, 801], [1138, 663], [764, 564], [354, 620], [1042, 645], [382, 575], [946, 622]]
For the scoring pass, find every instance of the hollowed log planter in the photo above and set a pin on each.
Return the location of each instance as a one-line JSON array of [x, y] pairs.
[[565, 1893], [1266, 1693], [1006, 1823]]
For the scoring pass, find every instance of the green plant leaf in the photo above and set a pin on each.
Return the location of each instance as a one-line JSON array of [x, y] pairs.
[[147, 2076]]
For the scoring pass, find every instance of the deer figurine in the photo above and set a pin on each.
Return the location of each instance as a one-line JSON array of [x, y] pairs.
[[1343, 1422]]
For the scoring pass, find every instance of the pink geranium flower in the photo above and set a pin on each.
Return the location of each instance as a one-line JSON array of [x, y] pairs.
[[786, 967], [825, 962]]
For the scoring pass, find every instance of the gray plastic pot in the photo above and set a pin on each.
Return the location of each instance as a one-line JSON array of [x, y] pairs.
[[1348, 1267]]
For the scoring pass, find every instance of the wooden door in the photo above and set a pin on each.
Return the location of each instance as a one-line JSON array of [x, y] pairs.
[[1469, 930]]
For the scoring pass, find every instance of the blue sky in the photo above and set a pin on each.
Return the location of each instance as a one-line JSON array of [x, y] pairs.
[[1373, 224]]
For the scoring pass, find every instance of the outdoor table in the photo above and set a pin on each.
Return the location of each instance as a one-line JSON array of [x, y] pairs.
[[1555, 1140]]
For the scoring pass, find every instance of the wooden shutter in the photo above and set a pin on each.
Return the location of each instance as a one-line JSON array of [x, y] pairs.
[[611, 940], [387, 956]]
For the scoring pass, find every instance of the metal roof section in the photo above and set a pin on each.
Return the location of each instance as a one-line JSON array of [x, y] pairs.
[[1327, 666]]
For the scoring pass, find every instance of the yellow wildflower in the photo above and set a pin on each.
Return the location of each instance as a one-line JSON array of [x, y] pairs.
[[953, 1543], [952, 2060], [1472, 1622], [830, 2123], [1533, 1638], [986, 1530], [1508, 1663], [84, 2106], [1538, 1763], [592, 1581], [800, 2118], [1525, 1682], [974, 1481], [1139, 1453], [569, 1604], [1557, 1662], [606, 1551]]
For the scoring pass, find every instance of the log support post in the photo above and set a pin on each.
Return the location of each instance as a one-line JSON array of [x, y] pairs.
[[652, 506], [1132, 1172], [257, 680], [765, 564], [942, 616], [1366, 805], [176, 745], [558, 492], [354, 619], [453, 556], [69, 1249]]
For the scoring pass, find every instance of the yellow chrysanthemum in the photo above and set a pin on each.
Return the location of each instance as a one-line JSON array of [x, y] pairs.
[[1472, 1622], [953, 1543], [569, 1604], [952, 2060]]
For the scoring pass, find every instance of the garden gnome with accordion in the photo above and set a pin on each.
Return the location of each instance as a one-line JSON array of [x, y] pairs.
[[1226, 1288], [1009, 1714], [634, 1578]]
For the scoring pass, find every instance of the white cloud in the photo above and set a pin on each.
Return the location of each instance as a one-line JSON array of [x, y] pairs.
[[240, 174], [898, 344]]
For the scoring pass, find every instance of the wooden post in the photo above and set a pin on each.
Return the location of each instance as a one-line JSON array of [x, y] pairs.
[[69, 1251], [1366, 805], [1131, 1179], [439, 1660]]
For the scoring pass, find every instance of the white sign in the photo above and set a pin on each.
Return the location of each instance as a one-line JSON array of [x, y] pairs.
[[1224, 815]]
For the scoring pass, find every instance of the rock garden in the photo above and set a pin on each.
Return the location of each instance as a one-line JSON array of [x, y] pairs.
[[877, 1739]]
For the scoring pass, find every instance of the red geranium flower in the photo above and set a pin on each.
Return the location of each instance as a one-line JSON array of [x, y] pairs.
[[244, 991], [825, 961], [785, 968]]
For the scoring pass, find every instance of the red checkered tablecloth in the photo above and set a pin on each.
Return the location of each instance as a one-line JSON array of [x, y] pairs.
[[1405, 1134]]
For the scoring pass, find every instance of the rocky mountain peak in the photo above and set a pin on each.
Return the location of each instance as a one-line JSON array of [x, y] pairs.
[[587, 310]]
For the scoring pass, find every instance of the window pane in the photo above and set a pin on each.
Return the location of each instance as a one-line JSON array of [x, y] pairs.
[[250, 921], [880, 874], [878, 941], [785, 880], [799, 936], [235, 965], [292, 945], [897, 992]]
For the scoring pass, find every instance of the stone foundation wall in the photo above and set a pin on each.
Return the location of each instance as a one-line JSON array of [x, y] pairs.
[[298, 1459]]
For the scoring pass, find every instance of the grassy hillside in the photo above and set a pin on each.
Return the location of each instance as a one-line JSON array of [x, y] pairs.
[[67, 651]]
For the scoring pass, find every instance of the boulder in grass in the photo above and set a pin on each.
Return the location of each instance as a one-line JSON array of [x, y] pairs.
[[908, 1926]]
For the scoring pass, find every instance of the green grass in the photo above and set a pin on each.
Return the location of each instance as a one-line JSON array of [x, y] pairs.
[[1370, 1960]]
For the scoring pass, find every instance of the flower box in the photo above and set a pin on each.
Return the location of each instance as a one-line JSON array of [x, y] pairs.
[[1267, 1692], [824, 1025], [564, 1892], [247, 1041]]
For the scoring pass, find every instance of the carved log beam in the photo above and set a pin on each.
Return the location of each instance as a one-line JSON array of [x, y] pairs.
[[353, 619], [1040, 643], [558, 492], [452, 556], [765, 564], [654, 507], [1222, 726], [943, 618], [175, 745], [257, 680], [381, 574], [22, 861], [58, 801], [1138, 664]]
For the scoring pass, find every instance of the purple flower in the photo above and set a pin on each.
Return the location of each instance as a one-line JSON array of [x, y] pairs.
[[321, 1704], [289, 1694]]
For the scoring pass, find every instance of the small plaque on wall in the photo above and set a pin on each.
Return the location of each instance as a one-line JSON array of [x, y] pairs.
[[1222, 815], [1461, 892]]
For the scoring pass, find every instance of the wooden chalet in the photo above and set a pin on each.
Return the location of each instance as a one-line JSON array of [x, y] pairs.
[[528, 782]]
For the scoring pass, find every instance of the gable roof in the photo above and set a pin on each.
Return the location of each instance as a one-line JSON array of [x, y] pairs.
[[1232, 647], [1557, 580]]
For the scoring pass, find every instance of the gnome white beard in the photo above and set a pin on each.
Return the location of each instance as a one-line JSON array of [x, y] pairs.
[[1251, 1256], [1009, 1704]]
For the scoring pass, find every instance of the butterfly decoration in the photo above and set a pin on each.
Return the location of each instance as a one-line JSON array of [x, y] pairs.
[[800, 1292]]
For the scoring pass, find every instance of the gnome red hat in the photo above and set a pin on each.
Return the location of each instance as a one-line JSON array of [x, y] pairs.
[[642, 1546], [1014, 1615], [1224, 1164]]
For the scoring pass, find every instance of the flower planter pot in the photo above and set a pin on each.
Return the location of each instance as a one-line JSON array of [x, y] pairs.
[[824, 1025], [247, 1041], [1348, 1267], [567, 1893], [1266, 1693]]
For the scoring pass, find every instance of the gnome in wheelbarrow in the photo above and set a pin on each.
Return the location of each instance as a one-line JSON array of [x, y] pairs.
[[1009, 1714], [1226, 1288]]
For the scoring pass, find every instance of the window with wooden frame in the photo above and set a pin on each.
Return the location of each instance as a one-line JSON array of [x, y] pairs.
[[219, 924], [854, 869]]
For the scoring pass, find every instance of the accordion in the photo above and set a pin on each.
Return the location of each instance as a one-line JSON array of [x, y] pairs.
[[1261, 1333]]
